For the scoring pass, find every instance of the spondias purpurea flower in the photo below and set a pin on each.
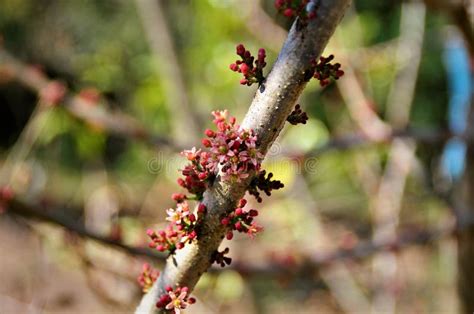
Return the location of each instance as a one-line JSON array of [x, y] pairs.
[[175, 300], [147, 277]]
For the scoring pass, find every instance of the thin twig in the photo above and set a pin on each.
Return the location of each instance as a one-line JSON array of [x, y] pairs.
[[94, 114], [162, 46]]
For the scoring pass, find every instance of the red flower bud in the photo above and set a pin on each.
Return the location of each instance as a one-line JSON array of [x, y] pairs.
[[210, 133], [225, 221], [202, 208], [244, 68], [238, 226], [240, 49], [178, 197], [279, 3], [253, 213], [288, 12]]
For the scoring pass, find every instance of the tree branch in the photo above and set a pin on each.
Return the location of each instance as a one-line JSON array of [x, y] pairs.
[[267, 115], [60, 218], [114, 122]]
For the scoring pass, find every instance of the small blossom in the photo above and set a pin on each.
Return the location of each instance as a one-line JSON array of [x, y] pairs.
[[147, 277], [191, 154], [175, 300], [253, 229]]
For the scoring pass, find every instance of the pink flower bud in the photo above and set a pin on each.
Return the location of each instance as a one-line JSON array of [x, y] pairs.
[[238, 226], [229, 235], [178, 197], [244, 68], [150, 233], [225, 221]]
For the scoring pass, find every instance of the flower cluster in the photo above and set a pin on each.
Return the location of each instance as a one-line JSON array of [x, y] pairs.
[[324, 71], [175, 300], [304, 9], [265, 184], [252, 71], [297, 116], [182, 228], [242, 221], [147, 277], [231, 149], [219, 258]]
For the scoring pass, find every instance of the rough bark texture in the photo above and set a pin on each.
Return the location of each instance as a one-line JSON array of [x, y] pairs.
[[267, 115]]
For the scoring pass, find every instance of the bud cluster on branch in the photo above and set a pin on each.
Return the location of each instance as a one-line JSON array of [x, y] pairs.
[[304, 9], [252, 73], [324, 70]]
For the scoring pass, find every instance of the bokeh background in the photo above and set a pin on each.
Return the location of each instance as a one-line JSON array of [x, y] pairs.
[[375, 197]]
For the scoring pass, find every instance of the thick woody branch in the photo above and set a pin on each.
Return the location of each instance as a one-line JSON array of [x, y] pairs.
[[267, 115]]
